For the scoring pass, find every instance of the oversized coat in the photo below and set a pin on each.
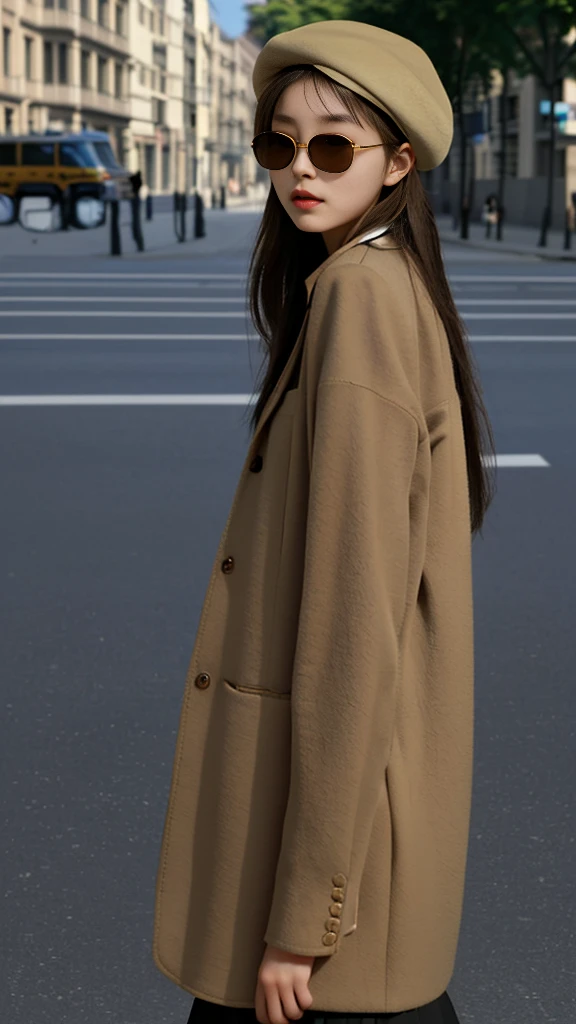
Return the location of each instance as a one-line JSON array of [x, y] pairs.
[[321, 788]]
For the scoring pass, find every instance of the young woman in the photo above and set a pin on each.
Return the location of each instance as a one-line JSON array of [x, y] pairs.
[[313, 856]]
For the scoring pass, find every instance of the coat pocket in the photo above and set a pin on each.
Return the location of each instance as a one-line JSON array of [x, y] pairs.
[[259, 691]]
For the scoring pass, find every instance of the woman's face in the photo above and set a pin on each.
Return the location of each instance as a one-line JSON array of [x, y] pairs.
[[345, 195]]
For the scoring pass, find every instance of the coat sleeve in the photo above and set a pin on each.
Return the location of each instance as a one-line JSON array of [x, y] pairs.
[[346, 660]]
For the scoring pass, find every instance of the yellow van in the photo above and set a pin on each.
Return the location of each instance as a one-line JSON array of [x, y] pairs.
[[51, 164]]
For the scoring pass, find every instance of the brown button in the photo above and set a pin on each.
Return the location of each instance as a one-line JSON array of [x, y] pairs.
[[256, 464], [335, 909], [339, 879], [228, 564], [329, 938], [202, 680], [332, 924], [338, 894]]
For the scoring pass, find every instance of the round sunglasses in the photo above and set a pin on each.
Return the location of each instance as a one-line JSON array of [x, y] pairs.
[[334, 153]]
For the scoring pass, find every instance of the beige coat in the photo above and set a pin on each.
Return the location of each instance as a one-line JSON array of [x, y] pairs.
[[321, 790]]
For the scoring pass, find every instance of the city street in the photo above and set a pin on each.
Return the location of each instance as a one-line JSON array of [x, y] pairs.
[[123, 409]]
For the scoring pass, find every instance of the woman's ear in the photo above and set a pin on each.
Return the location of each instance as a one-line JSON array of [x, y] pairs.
[[401, 163]]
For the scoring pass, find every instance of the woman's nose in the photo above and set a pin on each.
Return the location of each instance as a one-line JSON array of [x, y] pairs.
[[302, 161]]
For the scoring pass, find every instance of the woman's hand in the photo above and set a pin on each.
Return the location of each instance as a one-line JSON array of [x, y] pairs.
[[282, 992]]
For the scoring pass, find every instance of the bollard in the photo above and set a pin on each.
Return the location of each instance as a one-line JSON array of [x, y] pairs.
[[222, 197], [137, 224], [65, 210], [115, 241], [178, 215], [183, 208], [199, 229], [568, 229], [149, 207]]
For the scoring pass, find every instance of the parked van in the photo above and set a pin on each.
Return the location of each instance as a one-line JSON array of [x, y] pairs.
[[52, 163]]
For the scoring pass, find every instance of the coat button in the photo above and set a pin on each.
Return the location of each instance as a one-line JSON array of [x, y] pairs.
[[335, 909], [329, 938], [256, 464], [332, 924], [202, 680], [228, 564], [339, 879], [338, 895]]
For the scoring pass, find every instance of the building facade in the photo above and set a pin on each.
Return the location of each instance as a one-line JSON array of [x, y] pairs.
[[65, 66], [154, 139], [521, 112], [173, 91]]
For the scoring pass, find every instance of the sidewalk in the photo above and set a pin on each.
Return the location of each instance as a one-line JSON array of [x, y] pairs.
[[232, 232], [229, 232], [515, 239]]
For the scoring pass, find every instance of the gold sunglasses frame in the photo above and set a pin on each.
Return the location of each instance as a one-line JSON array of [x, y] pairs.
[[304, 145]]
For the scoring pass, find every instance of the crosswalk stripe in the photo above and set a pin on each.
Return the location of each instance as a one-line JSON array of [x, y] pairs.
[[128, 337]]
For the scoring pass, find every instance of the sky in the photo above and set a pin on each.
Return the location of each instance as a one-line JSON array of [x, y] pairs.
[[230, 15]]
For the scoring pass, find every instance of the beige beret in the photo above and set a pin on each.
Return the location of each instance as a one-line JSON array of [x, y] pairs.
[[381, 66]]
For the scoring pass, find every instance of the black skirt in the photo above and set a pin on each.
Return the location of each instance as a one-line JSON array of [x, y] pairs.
[[439, 1011]]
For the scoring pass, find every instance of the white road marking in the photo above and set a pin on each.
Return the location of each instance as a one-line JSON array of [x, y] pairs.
[[228, 399], [129, 337], [507, 461], [63, 275], [114, 298], [492, 302], [505, 316], [516, 337], [513, 278], [252, 337], [120, 313]]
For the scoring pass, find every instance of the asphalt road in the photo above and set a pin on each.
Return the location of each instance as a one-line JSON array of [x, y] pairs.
[[110, 518]]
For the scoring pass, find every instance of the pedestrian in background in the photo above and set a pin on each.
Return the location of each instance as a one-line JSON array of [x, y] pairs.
[[313, 856], [490, 213]]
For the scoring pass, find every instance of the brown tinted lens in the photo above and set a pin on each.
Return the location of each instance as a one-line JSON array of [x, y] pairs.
[[273, 150], [330, 152]]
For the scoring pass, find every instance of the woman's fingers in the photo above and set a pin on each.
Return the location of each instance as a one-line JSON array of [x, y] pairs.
[[289, 1002]]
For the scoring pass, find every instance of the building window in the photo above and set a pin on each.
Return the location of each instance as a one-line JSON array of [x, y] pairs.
[[48, 63], [141, 13], [8, 120], [28, 41], [103, 13], [62, 63], [102, 75], [7, 50], [120, 19], [63, 5], [118, 81], [161, 23], [85, 69], [151, 15], [158, 111], [49, 4], [85, 9], [142, 74]]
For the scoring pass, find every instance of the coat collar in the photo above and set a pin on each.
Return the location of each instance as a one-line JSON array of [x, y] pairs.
[[385, 241]]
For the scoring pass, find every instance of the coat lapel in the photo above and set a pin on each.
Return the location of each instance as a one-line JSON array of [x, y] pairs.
[[385, 241]]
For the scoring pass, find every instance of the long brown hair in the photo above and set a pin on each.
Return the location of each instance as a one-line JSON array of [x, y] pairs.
[[283, 257]]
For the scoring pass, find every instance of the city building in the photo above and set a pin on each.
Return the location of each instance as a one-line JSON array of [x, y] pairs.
[[154, 138], [171, 88], [520, 114], [65, 66]]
